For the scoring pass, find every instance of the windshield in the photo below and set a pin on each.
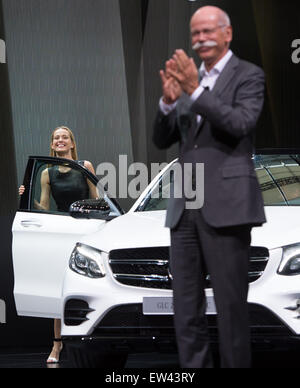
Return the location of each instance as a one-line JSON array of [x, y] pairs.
[[278, 176]]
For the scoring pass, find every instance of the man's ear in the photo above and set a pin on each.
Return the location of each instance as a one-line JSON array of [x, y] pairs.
[[229, 34]]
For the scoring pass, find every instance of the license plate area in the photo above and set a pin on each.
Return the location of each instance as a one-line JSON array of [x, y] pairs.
[[164, 306]]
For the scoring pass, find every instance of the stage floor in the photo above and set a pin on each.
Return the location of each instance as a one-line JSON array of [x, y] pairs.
[[36, 359]]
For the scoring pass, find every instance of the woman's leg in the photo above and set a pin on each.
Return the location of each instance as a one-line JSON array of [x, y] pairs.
[[57, 344]]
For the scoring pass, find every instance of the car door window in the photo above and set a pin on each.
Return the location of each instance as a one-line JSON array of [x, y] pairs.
[[56, 186]]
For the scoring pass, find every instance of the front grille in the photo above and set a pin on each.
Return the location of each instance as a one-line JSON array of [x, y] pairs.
[[149, 267]]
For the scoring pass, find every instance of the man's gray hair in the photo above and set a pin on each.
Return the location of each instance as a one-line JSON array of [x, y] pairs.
[[224, 19]]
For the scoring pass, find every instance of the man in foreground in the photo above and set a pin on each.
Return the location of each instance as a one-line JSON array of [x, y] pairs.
[[213, 119]]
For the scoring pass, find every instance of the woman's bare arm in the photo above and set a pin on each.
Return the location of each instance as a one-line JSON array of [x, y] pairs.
[[44, 203]]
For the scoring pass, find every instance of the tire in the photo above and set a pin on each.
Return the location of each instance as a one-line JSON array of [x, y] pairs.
[[89, 356]]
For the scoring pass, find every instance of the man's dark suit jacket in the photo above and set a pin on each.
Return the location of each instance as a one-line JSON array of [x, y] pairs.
[[223, 142]]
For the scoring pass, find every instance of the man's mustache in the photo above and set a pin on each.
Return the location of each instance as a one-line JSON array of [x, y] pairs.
[[208, 43]]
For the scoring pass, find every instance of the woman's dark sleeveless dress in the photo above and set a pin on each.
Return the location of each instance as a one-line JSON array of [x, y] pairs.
[[67, 188]]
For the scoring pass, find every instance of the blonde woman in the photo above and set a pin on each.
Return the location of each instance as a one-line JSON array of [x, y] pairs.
[[66, 186]]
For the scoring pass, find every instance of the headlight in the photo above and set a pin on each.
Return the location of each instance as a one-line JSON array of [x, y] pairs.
[[290, 263], [87, 261]]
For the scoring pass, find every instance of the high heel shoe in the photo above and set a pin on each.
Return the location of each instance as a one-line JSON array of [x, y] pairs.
[[53, 360]]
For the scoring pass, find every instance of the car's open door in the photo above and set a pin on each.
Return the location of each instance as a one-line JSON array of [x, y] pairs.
[[43, 240]]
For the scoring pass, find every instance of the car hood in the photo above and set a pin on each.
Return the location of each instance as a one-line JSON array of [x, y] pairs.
[[132, 230], [146, 229], [282, 227]]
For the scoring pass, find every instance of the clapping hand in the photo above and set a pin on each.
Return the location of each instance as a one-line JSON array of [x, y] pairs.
[[184, 71], [171, 88]]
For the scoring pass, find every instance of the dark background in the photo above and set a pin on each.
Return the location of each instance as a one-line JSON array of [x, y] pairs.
[[93, 65]]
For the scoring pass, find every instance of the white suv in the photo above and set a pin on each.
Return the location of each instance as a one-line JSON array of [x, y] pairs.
[[107, 275]]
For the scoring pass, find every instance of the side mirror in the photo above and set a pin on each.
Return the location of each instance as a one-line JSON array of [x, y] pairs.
[[96, 209]]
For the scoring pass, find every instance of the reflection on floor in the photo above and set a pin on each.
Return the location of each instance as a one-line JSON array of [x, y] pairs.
[[37, 359], [20, 358]]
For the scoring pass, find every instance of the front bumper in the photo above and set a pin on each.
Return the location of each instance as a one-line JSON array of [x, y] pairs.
[[115, 310], [125, 328]]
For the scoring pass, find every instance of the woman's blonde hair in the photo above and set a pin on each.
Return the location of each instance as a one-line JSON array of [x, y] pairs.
[[72, 137]]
